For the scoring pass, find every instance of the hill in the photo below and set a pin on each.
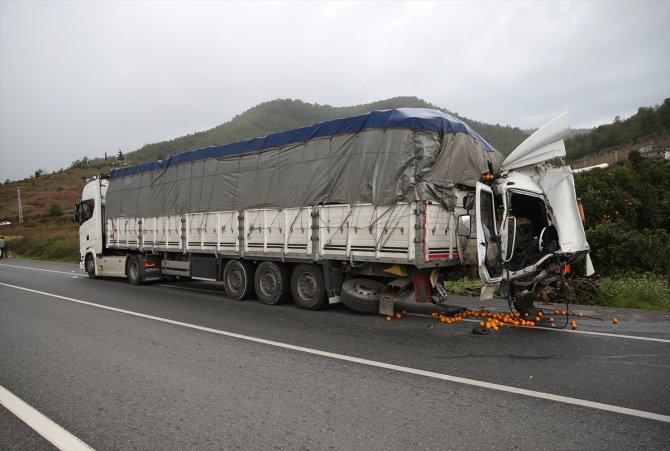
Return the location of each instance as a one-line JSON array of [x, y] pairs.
[[285, 114], [613, 142]]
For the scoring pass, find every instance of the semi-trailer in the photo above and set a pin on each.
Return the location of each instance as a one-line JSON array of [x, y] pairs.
[[367, 211]]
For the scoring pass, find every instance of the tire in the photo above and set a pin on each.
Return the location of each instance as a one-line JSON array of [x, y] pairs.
[[272, 283], [308, 287], [89, 266], [238, 279], [362, 295], [133, 270]]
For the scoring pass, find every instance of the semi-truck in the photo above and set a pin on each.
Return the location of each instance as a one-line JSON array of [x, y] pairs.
[[368, 211]]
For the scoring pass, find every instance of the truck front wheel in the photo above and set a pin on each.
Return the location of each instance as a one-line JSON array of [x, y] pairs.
[[238, 279], [133, 270], [308, 287], [89, 265], [272, 283]]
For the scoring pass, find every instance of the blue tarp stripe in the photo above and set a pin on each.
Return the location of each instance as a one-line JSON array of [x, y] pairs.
[[410, 118]]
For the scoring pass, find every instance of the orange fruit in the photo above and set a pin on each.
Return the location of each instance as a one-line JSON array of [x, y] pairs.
[[540, 313], [580, 314], [433, 314], [537, 319], [573, 326], [398, 315], [551, 319], [556, 312], [388, 318], [615, 320]]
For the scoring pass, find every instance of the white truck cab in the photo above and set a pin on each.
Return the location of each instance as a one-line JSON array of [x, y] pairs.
[[528, 218], [89, 212]]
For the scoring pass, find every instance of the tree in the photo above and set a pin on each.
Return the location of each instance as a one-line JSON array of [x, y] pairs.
[[120, 155], [39, 172], [79, 163]]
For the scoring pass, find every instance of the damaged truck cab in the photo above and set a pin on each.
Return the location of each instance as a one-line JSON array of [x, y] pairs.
[[528, 222]]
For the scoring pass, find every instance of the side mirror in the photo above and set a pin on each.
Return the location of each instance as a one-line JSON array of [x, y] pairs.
[[464, 227], [75, 214], [469, 201]]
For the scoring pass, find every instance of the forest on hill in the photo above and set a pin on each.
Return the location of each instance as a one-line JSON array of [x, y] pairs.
[[285, 114], [649, 123]]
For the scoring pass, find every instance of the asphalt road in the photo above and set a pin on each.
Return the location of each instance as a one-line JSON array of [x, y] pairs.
[[121, 381]]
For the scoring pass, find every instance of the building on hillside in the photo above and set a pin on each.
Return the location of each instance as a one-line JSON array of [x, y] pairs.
[[655, 153]]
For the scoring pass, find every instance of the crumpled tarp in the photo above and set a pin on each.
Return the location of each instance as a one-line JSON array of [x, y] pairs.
[[381, 157]]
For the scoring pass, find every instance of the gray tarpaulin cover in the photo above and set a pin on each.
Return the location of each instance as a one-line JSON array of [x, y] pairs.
[[381, 157]]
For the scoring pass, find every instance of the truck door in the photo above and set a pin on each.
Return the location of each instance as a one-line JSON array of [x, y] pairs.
[[488, 241]]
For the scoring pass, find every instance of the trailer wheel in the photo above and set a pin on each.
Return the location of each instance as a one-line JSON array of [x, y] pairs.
[[272, 283], [362, 295], [133, 270], [89, 265], [308, 287], [238, 279]]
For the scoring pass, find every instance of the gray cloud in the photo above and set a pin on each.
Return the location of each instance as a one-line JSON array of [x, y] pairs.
[[82, 78]]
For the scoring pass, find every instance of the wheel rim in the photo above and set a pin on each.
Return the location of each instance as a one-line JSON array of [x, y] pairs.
[[235, 280], [366, 289], [307, 286], [89, 265], [134, 271], [268, 283]]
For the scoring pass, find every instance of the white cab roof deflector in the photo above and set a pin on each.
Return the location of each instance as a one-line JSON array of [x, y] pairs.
[[543, 145]]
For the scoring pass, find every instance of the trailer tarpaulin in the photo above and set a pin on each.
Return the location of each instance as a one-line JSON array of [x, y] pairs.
[[381, 157]]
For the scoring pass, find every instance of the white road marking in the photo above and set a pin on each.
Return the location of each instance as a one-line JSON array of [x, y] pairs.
[[373, 363], [72, 273], [570, 331], [582, 332], [58, 436]]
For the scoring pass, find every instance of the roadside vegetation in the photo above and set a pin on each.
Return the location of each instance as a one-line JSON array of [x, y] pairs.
[[627, 209]]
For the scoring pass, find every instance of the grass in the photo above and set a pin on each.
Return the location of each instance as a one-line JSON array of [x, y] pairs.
[[464, 287], [645, 291], [55, 244]]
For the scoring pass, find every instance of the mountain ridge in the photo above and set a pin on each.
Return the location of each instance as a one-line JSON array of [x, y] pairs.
[[285, 114]]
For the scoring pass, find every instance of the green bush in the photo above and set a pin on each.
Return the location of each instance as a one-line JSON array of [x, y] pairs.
[[642, 291], [617, 248], [59, 246]]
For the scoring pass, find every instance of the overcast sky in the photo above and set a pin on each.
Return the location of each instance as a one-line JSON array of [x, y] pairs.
[[83, 78]]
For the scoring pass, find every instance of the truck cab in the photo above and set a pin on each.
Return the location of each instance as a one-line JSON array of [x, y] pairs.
[[89, 213], [528, 223]]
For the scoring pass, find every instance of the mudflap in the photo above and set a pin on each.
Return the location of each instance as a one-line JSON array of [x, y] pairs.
[[150, 268]]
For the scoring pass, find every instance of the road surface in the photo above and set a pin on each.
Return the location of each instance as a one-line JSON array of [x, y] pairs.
[[180, 366]]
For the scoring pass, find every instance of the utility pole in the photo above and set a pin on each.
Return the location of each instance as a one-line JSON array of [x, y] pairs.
[[18, 193]]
